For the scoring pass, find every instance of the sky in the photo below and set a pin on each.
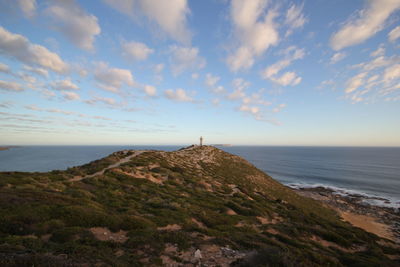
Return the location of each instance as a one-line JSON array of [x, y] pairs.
[[162, 72]]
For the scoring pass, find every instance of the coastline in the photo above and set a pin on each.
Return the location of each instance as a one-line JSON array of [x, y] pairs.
[[381, 221], [2, 148]]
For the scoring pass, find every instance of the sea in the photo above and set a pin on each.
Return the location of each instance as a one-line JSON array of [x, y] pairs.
[[372, 173]]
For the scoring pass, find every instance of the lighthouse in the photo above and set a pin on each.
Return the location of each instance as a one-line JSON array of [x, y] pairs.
[[201, 140]]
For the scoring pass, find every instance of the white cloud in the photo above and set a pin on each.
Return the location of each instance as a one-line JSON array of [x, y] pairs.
[[179, 95], [337, 57], [211, 80], [17, 46], [136, 50], [391, 73], [105, 100], [71, 20], [4, 68], [28, 7], [112, 79], [159, 68], [378, 52], [294, 18], [254, 29], [195, 76], [185, 58], [239, 85], [250, 109], [355, 82], [368, 22], [48, 93], [37, 70], [70, 95], [170, 16], [6, 104], [278, 108], [11, 86], [150, 90], [218, 90], [123, 6], [27, 78], [64, 85], [288, 78], [394, 34]]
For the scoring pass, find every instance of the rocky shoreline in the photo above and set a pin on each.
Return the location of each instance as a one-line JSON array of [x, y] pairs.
[[382, 221]]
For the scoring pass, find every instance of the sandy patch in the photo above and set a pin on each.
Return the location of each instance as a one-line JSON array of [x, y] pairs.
[[104, 234], [142, 175], [368, 223], [170, 227], [198, 223], [231, 212]]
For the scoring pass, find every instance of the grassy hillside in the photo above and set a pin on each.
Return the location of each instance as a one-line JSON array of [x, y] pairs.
[[159, 207]]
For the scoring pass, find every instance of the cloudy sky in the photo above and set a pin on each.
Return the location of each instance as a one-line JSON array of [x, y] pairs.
[[256, 72]]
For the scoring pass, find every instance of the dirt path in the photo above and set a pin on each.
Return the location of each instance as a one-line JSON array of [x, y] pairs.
[[124, 160]]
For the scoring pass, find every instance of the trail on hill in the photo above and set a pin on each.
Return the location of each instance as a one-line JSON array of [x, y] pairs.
[[121, 161]]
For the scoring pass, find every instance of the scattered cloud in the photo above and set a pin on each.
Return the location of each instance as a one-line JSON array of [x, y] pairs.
[[255, 31], [48, 93], [11, 86], [66, 84], [4, 68], [337, 57], [288, 78], [218, 89], [170, 16], [19, 47], [6, 104], [71, 20], [185, 58], [365, 24], [136, 51], [104, 100], [70, 95], [294, 18], [150, 90], [195, 76], [278, 108], [179, 95], [211, 80], [378, 52], [28, 7], [394, 34], [378, 78], [355, 82], [159, 68], [112, 79], [36, 70], [239, 85], [391, 73]]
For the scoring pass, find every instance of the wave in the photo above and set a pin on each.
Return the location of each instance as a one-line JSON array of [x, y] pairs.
[[368, 198]]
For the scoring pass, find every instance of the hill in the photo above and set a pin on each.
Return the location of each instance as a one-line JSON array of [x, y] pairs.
[[152, 208]]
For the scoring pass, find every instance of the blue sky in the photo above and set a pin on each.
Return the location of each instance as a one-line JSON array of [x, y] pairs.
[[249, 72]]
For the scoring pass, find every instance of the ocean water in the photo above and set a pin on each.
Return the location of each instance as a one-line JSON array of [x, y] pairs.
[[371, 172]]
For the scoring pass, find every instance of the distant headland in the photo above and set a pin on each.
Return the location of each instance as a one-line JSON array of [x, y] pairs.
[[6, 147]]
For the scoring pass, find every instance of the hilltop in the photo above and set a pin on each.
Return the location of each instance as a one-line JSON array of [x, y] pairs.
[[154, 208]]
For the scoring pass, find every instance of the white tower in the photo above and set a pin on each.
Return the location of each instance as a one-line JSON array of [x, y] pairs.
[[201, 140]]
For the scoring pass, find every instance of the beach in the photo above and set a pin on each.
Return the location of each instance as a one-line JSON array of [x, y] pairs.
[[381, 221]]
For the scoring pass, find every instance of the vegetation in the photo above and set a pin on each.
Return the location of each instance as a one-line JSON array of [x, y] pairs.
[[161, 205]]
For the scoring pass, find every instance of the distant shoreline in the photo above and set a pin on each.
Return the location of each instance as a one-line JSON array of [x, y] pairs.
[[6, 147]]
